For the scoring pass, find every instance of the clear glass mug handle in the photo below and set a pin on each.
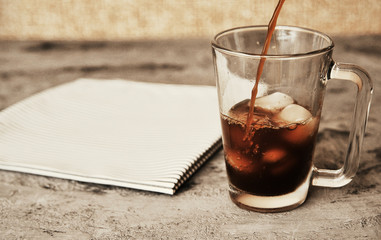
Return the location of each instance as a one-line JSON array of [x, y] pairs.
[[342, 176]]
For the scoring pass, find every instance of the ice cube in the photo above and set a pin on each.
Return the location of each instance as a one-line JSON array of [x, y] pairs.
[[274, 155], [302, 133], [274, 102], [284, 167], [305, 127], [293, 113], [240, 161]]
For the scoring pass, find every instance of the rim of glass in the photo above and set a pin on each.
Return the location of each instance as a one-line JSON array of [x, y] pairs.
[[295, 28]]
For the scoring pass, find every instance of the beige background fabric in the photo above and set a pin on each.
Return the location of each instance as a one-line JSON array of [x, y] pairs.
[[163, 19]]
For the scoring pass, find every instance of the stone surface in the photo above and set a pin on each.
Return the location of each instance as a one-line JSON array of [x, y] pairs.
[[36, 207]]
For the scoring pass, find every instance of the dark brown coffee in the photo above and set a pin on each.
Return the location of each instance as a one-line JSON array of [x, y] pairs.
[[276, 157]]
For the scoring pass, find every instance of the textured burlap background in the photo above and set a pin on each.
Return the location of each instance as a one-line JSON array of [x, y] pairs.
[[158, 19]]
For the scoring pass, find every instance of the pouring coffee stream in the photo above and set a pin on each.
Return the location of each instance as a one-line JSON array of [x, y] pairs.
[[254, 91]]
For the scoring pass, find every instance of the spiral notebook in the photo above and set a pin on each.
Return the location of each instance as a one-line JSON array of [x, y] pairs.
[[146, 136]]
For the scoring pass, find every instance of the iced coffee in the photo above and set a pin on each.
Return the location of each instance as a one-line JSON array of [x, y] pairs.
[[270, 105], [274, 157]]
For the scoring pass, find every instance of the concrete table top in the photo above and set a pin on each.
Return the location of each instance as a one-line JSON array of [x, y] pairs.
[[37, 207]]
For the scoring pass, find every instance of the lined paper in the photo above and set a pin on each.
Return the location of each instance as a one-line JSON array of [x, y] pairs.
[[146, 136]]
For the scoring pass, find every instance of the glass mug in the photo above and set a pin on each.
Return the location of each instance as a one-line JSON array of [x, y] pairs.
[[270, 166]]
